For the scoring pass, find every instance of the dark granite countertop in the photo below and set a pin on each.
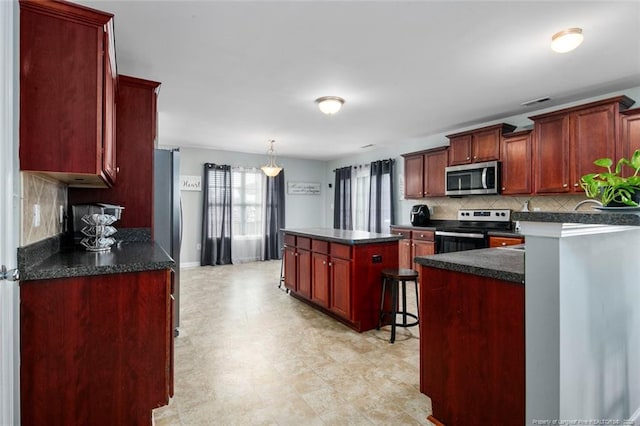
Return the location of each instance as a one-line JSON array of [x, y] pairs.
[[343, 236], [596, 218], [48, 259], [500, 263], [417, 228], [505, 234]]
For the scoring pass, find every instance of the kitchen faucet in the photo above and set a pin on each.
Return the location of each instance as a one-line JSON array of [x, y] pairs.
[[587, 201]]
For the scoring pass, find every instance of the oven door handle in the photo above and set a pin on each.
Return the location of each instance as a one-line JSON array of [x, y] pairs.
[[458, 234]]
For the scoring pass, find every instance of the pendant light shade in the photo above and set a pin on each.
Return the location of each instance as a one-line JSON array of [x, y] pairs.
[[330, 104], [566, 40], [271, 169]]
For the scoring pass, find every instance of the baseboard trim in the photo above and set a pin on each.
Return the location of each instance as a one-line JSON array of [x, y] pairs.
[[184, 265]]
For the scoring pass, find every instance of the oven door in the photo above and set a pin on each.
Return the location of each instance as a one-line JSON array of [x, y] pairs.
[[448, 241]]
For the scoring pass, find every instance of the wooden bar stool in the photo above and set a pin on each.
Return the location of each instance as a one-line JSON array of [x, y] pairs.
[[395, 278]]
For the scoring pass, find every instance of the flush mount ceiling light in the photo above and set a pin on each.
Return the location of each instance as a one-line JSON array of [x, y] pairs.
[[566, 40], [330, 104], [271, 169]]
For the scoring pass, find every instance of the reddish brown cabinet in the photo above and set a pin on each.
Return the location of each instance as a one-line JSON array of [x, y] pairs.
[[344, 278], [478, 145], [415, 243], [424, 173], [496, 241], [629, 132], [67, 93], [567, 142], [472, 349], [95, 350], [516, 163], [136, 132]]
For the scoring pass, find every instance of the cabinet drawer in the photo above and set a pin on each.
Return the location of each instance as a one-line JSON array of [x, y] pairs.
[[289, 240], [319, 246], [423, 235], [406, 233], [341, 250], [303, 243], [504, 241]]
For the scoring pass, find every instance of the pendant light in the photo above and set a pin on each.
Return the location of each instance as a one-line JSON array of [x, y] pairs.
[[271, 169]]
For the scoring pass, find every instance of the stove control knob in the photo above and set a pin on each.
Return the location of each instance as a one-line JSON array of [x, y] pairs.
[[502, 214]]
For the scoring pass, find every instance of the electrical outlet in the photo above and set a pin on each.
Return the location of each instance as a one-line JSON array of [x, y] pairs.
[[376, 258], [198, 246], [36, 215]]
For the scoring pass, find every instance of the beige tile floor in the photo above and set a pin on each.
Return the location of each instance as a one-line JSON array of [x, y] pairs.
[[249, 354]]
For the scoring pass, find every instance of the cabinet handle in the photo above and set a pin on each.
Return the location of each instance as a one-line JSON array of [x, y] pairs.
[[467, 158], [118, 169], [421, 235], [330, 264], [324, 262], [503, 188], [576, 185], [504, 244], [564, 185], [475, 157]]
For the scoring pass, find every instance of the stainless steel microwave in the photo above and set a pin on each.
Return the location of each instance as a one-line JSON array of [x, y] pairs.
[[473, 179]]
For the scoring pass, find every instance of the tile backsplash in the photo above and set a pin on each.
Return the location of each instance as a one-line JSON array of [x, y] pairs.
[[48, 195], [446, 208]]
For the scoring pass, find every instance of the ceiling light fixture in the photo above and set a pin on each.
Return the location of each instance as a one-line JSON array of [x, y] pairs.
[[271, 169], [566, 40], [330, 104]]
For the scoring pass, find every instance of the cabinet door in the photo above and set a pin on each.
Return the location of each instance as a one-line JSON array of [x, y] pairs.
[[109, 111], [551, 154], [435, 164], [485, 145], [413, 178], [320, 279], [422, 248], [630, 132], [516, 164], [340, 287], [593, 136], [304, 273], [405, 259], [290, 268], [460, 150], [62, 88]]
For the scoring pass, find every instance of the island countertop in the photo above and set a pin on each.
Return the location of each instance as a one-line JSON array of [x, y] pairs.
[[500, 263], [620, 217], [343, 236]]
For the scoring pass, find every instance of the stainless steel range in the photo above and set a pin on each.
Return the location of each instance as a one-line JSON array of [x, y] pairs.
[[471, 229]]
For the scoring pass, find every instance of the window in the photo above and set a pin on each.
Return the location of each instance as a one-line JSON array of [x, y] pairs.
[[246, 217], [361, 197]]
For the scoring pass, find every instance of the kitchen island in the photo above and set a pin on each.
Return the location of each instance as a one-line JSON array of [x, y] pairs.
[[338, 271], [96, 343], [472, 336]]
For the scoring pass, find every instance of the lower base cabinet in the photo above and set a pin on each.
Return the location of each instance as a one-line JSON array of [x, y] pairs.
[[96, 350], [472, 362], [345, 280]]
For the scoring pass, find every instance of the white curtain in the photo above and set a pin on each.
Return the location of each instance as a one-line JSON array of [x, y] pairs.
[[360, 181], [247, 214]]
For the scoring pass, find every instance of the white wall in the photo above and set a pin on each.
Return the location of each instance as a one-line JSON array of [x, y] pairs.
[[301, 211]]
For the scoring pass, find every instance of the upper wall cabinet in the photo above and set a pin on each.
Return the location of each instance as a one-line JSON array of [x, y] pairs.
[[630, 132], [136, 133], [424, 173], [516, 163], [67, 93], [476, 146], [567, 142]]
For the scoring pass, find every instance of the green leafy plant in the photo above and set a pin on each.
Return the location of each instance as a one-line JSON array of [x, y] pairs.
[[611, 187]]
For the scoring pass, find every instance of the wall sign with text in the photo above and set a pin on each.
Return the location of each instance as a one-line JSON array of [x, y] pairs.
[[190, 183], [303, 188]]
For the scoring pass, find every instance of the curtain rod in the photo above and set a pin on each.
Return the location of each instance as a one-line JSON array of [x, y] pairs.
[[367, 164]]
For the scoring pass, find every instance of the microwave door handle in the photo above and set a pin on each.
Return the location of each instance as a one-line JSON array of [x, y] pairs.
[[484, 177]]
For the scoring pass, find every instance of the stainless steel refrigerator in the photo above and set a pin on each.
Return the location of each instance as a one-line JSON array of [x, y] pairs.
[[167, 214]]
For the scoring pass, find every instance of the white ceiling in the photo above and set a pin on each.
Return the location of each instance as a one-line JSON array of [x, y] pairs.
[[235, 74]]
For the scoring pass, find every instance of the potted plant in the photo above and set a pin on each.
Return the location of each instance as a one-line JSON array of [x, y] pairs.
[[611, 187]]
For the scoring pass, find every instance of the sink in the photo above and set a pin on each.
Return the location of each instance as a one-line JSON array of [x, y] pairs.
[[516, 247]]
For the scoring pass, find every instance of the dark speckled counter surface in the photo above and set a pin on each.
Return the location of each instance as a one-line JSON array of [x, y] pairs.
[[621, 217], [343, 236], [500, 263], [48, 260]]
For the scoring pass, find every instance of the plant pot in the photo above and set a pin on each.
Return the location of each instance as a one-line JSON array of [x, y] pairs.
[[636, 198]]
